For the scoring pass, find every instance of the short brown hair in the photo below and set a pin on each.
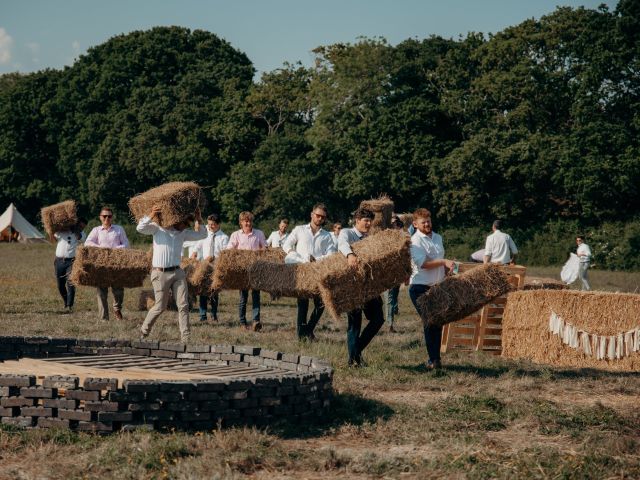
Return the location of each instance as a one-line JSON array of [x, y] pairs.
[[363, 213], [108, 209], [284, 220], [320, 206], [421, 213], [245, 216]]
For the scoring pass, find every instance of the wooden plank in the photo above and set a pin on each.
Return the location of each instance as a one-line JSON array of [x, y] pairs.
[[84, 357]]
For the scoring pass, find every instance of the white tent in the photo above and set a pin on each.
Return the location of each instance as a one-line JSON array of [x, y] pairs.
[[27, 233]]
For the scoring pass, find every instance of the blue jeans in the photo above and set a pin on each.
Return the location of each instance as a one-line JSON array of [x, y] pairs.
[[392, 304], [357, 342], [255, 303], [65, 287], [203, 306], [304, 328], [432, 333]]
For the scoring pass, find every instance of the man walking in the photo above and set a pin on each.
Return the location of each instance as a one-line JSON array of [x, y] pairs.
[[108, 235], [68, 242], [584, 253], [356, 341], [166, 274], [206, 250], [248, 238], [311, 243], [499, 247]]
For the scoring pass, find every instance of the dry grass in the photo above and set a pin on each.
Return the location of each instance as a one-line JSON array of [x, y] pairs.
[[481, 417]]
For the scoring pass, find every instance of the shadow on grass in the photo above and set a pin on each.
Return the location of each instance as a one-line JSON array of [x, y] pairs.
[[346, 409]]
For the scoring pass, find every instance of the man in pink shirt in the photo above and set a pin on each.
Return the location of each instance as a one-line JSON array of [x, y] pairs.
[[248, 238], [108, 235]]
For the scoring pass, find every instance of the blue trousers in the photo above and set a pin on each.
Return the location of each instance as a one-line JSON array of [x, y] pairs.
[[65, 287], [356, 341], [432, 333], [204, 300], [303, 327], [392, 303], [255, 303]]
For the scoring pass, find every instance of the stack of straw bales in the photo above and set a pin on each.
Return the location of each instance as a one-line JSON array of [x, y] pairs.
[[383, 209], [178, 202], [232, 267], [384, 262], [110, 267], [297, 280], [540, 283], [199, 274], [59, 217], [525, 326], [460, 295]]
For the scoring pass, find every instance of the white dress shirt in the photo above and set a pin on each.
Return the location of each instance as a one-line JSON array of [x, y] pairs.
[[276, 240], [346, 238], [67, 243], [307, 244], [584, 249], [334, 237], [168, 242], [212, 245], [499, 248], [426, 248]]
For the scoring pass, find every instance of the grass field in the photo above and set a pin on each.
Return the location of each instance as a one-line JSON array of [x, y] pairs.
[[480, 417]]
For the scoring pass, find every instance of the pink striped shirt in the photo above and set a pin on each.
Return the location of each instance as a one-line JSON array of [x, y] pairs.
[[247, 241], [114, 237]]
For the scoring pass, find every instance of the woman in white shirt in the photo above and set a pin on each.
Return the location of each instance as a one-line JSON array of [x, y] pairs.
[[68, 242], [277, 237], [428, 262]]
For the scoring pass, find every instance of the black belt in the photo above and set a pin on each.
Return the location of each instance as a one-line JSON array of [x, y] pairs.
[[167, 269]]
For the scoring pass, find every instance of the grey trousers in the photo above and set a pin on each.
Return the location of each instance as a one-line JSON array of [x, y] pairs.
[[163, 283], [103, 303], [584, 266]]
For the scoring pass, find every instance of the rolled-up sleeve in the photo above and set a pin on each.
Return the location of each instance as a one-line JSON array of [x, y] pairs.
[[146, 226], [343, 243], [512, 246], [199, 234]]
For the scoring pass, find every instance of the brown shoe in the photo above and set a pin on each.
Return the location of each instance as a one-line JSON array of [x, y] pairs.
[[257, 326], [118, 315]]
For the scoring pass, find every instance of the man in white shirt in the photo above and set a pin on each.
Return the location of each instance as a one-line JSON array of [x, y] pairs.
[[356, 341], [278, 237], [68, 242], [584, 252], [311, 243], [428, 263], [208, 249], [108, 235], [499, 247], [166, 274]]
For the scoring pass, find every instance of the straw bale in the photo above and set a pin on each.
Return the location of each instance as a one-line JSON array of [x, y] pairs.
[[383, 210], [384, 262], [460, 295], [232, 267], [59, 217], [298, 280], [110, 267], [525, 326], [407, 219], [199, 274], [537, 283], [178, 202]]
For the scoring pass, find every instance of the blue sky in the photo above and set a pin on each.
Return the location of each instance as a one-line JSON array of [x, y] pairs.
[[38, 34]]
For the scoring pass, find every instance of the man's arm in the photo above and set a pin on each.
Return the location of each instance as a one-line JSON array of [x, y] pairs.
[[145, 226], [124, 241], [487, 250], [233, 242], [199, 234], [291, 241], [328, 247], [92, 239]]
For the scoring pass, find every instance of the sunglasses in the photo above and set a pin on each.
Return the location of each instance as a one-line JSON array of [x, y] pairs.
[[106, 216]]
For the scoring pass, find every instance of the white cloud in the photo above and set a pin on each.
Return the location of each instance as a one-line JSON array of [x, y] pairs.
[[6, 42], [34, 48]]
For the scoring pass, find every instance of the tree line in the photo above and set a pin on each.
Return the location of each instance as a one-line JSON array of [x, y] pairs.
[[533, 124]]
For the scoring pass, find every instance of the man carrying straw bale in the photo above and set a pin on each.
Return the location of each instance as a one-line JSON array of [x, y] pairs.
[[248, 238], [499, 247], [278, 237], [166, 274], [68, 242], [108, 235], [308, 243], [207, 250], [428, 262], [357, 341], [392, 293]]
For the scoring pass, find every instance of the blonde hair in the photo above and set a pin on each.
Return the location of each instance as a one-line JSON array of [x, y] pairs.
[[245, 216]]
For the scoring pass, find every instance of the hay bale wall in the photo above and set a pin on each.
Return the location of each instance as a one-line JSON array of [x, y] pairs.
[[383, 210], [178, 202], [280, 280], [59, 217], [525, 326], [384, 262], [199, 275], [110, 267], [460, 295], [232, 267]]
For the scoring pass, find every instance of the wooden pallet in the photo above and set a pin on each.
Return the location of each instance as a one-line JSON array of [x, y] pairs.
[[481, 330]]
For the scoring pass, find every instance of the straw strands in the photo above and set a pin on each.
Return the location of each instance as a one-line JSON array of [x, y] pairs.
[[526, 334], [178, 202], [383, 210], [460, 295], [298, 280], [199, 274], [537, 283], [59, 217], [384, 261], [232, 267], [110, 267]]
